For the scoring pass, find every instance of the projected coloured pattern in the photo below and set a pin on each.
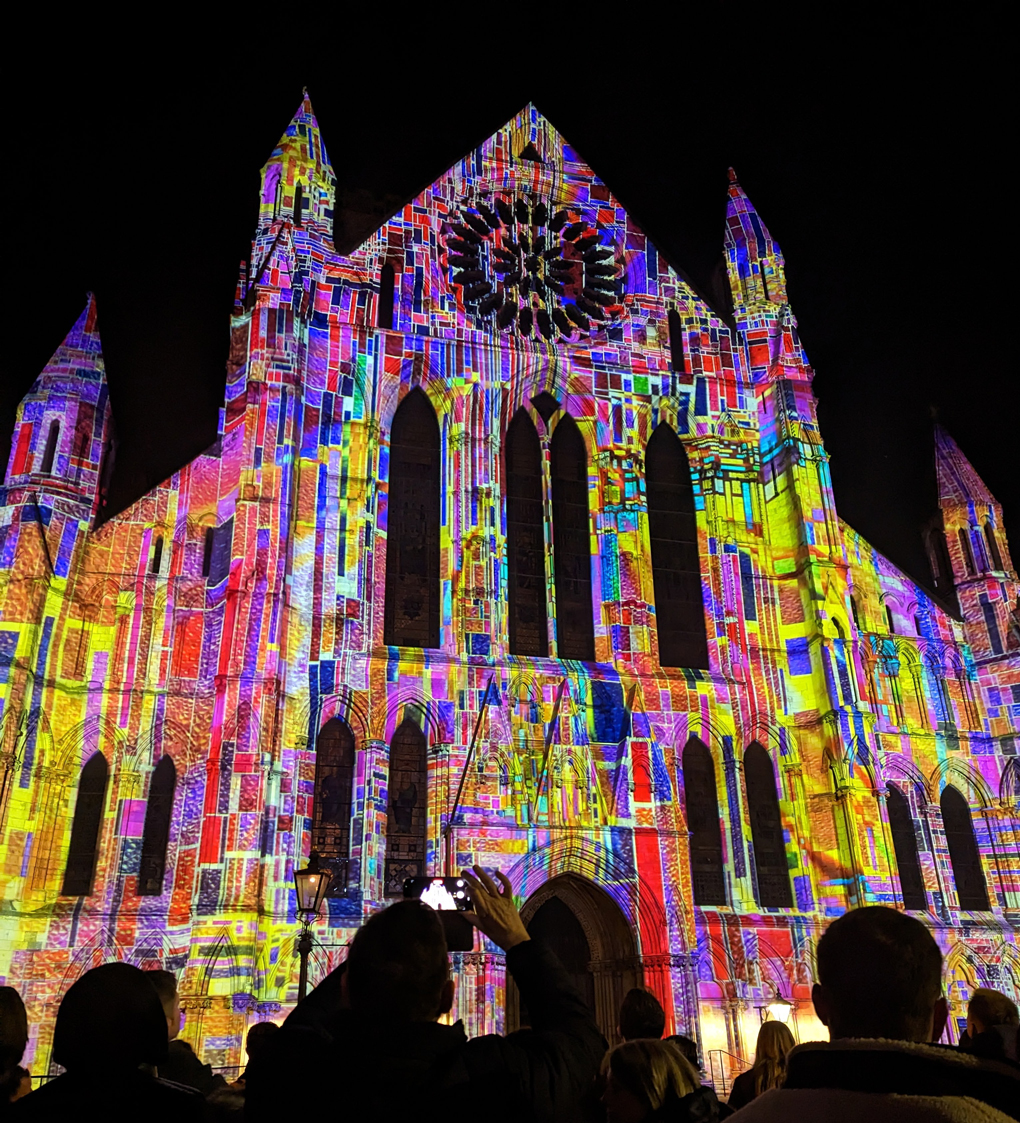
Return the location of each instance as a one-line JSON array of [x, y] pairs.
[[499, 509]]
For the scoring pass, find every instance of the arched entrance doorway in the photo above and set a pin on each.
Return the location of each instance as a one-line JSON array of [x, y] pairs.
[[587, 930]]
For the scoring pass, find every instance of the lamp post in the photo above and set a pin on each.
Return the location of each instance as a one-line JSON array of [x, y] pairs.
[[779, 1010], [311, 884]]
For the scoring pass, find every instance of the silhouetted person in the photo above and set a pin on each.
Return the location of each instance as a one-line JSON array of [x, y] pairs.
[[992, 1021], [110, 1024], [372, 1036], [182, 1064], [650, 1081], [769, 1069], [255, 1045], [688, 1048], [879, 991], [641, 1015], [15, 1081]]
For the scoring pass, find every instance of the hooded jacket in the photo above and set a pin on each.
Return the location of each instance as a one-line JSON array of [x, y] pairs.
[[884, 1081], [340, 1061]]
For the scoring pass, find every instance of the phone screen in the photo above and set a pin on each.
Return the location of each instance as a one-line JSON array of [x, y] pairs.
[[444, 894]]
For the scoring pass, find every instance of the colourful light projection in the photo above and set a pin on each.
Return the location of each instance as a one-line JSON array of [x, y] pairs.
[[510, 551]]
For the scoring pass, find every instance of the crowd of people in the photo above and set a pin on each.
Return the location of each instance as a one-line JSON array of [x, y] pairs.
[[371, 1042]]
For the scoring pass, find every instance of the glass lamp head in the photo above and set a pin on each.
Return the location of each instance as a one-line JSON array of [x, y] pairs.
[[311, 884]]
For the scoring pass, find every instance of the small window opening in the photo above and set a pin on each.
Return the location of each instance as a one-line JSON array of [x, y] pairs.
[[299, 202], [386, 289], [889, 620], [676, 341], [994, 557], [157, 555], [917, 624], [855, 610], [210, 540], [967, 551], [51, 447]]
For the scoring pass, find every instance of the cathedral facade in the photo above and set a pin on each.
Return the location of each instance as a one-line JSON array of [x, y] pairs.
[[511, 550]]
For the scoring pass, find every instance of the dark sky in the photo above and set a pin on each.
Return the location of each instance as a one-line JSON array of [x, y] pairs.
[[880, 172]]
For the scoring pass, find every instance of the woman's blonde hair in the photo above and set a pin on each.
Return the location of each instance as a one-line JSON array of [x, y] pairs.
[[652, 1070], [774, 1044]]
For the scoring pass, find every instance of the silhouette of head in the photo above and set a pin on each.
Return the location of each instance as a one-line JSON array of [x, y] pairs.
[[398, 967], [258, 1035], [880, 975], [165, 983], [13, 1028], [641, 1015], [110, 1018], [989, 1008]]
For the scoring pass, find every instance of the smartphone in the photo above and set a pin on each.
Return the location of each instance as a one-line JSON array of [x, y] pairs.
[[448, 896]]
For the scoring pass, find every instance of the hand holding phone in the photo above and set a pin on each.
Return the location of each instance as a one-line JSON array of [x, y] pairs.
[[494, 911]]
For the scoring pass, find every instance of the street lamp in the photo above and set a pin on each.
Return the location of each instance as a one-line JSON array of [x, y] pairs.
[[779, 1010], [311, 884]]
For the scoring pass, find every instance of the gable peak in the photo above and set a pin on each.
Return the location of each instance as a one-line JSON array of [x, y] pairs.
[[302, 141]]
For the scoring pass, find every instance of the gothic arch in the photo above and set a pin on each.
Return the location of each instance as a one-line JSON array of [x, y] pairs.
[[97, 733], [1009, 785], [767, 834], [905, 773], [350, 706], [962, 775]]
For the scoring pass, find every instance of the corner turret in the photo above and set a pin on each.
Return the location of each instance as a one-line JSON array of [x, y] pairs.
[[976, 551], [61, 452]]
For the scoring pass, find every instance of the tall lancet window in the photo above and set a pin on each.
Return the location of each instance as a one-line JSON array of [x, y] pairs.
[[156, 837], [770, 863], [963, 851], [525, 535], [676, 566], [334, 783], [967, 551], [992, 544], [50, 452], [387, 287], [412, 527], [575, 621], [88, 816], [901, 824], [703, 825], [407, 819]]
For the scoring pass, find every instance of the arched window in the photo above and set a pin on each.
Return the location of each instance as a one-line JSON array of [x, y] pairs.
[[157, 829], [412, 526], [386, 287], [676, 340], [525, 537], [88, 815], [891, 624], [703, 825], [676, 565], [938, 556], [856, 612], [966, 550], [334, 783], [51, 447], [406, 823], [157, 554], [207, 550], [963, 851], [766, 830], [575, 624], [905, 845], [994, 557]]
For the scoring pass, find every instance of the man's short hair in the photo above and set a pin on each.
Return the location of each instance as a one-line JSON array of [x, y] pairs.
[[165, 983], [641, 1015], [398, 964], [882, 973], [992, 1008]]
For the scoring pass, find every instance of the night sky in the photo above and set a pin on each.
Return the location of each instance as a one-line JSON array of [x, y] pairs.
[[881, 176]]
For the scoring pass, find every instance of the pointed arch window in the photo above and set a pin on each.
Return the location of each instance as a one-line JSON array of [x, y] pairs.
[[967, 551], [88, 816], [703, 825], [771, 867], [963, 851], [992, 543], [156, 836], [890, 623], [387, 285], [50, 452], [411, 617], [334, 786], [406, 823], [575, 621], [525, 533], [901, 825], [676, 565]]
